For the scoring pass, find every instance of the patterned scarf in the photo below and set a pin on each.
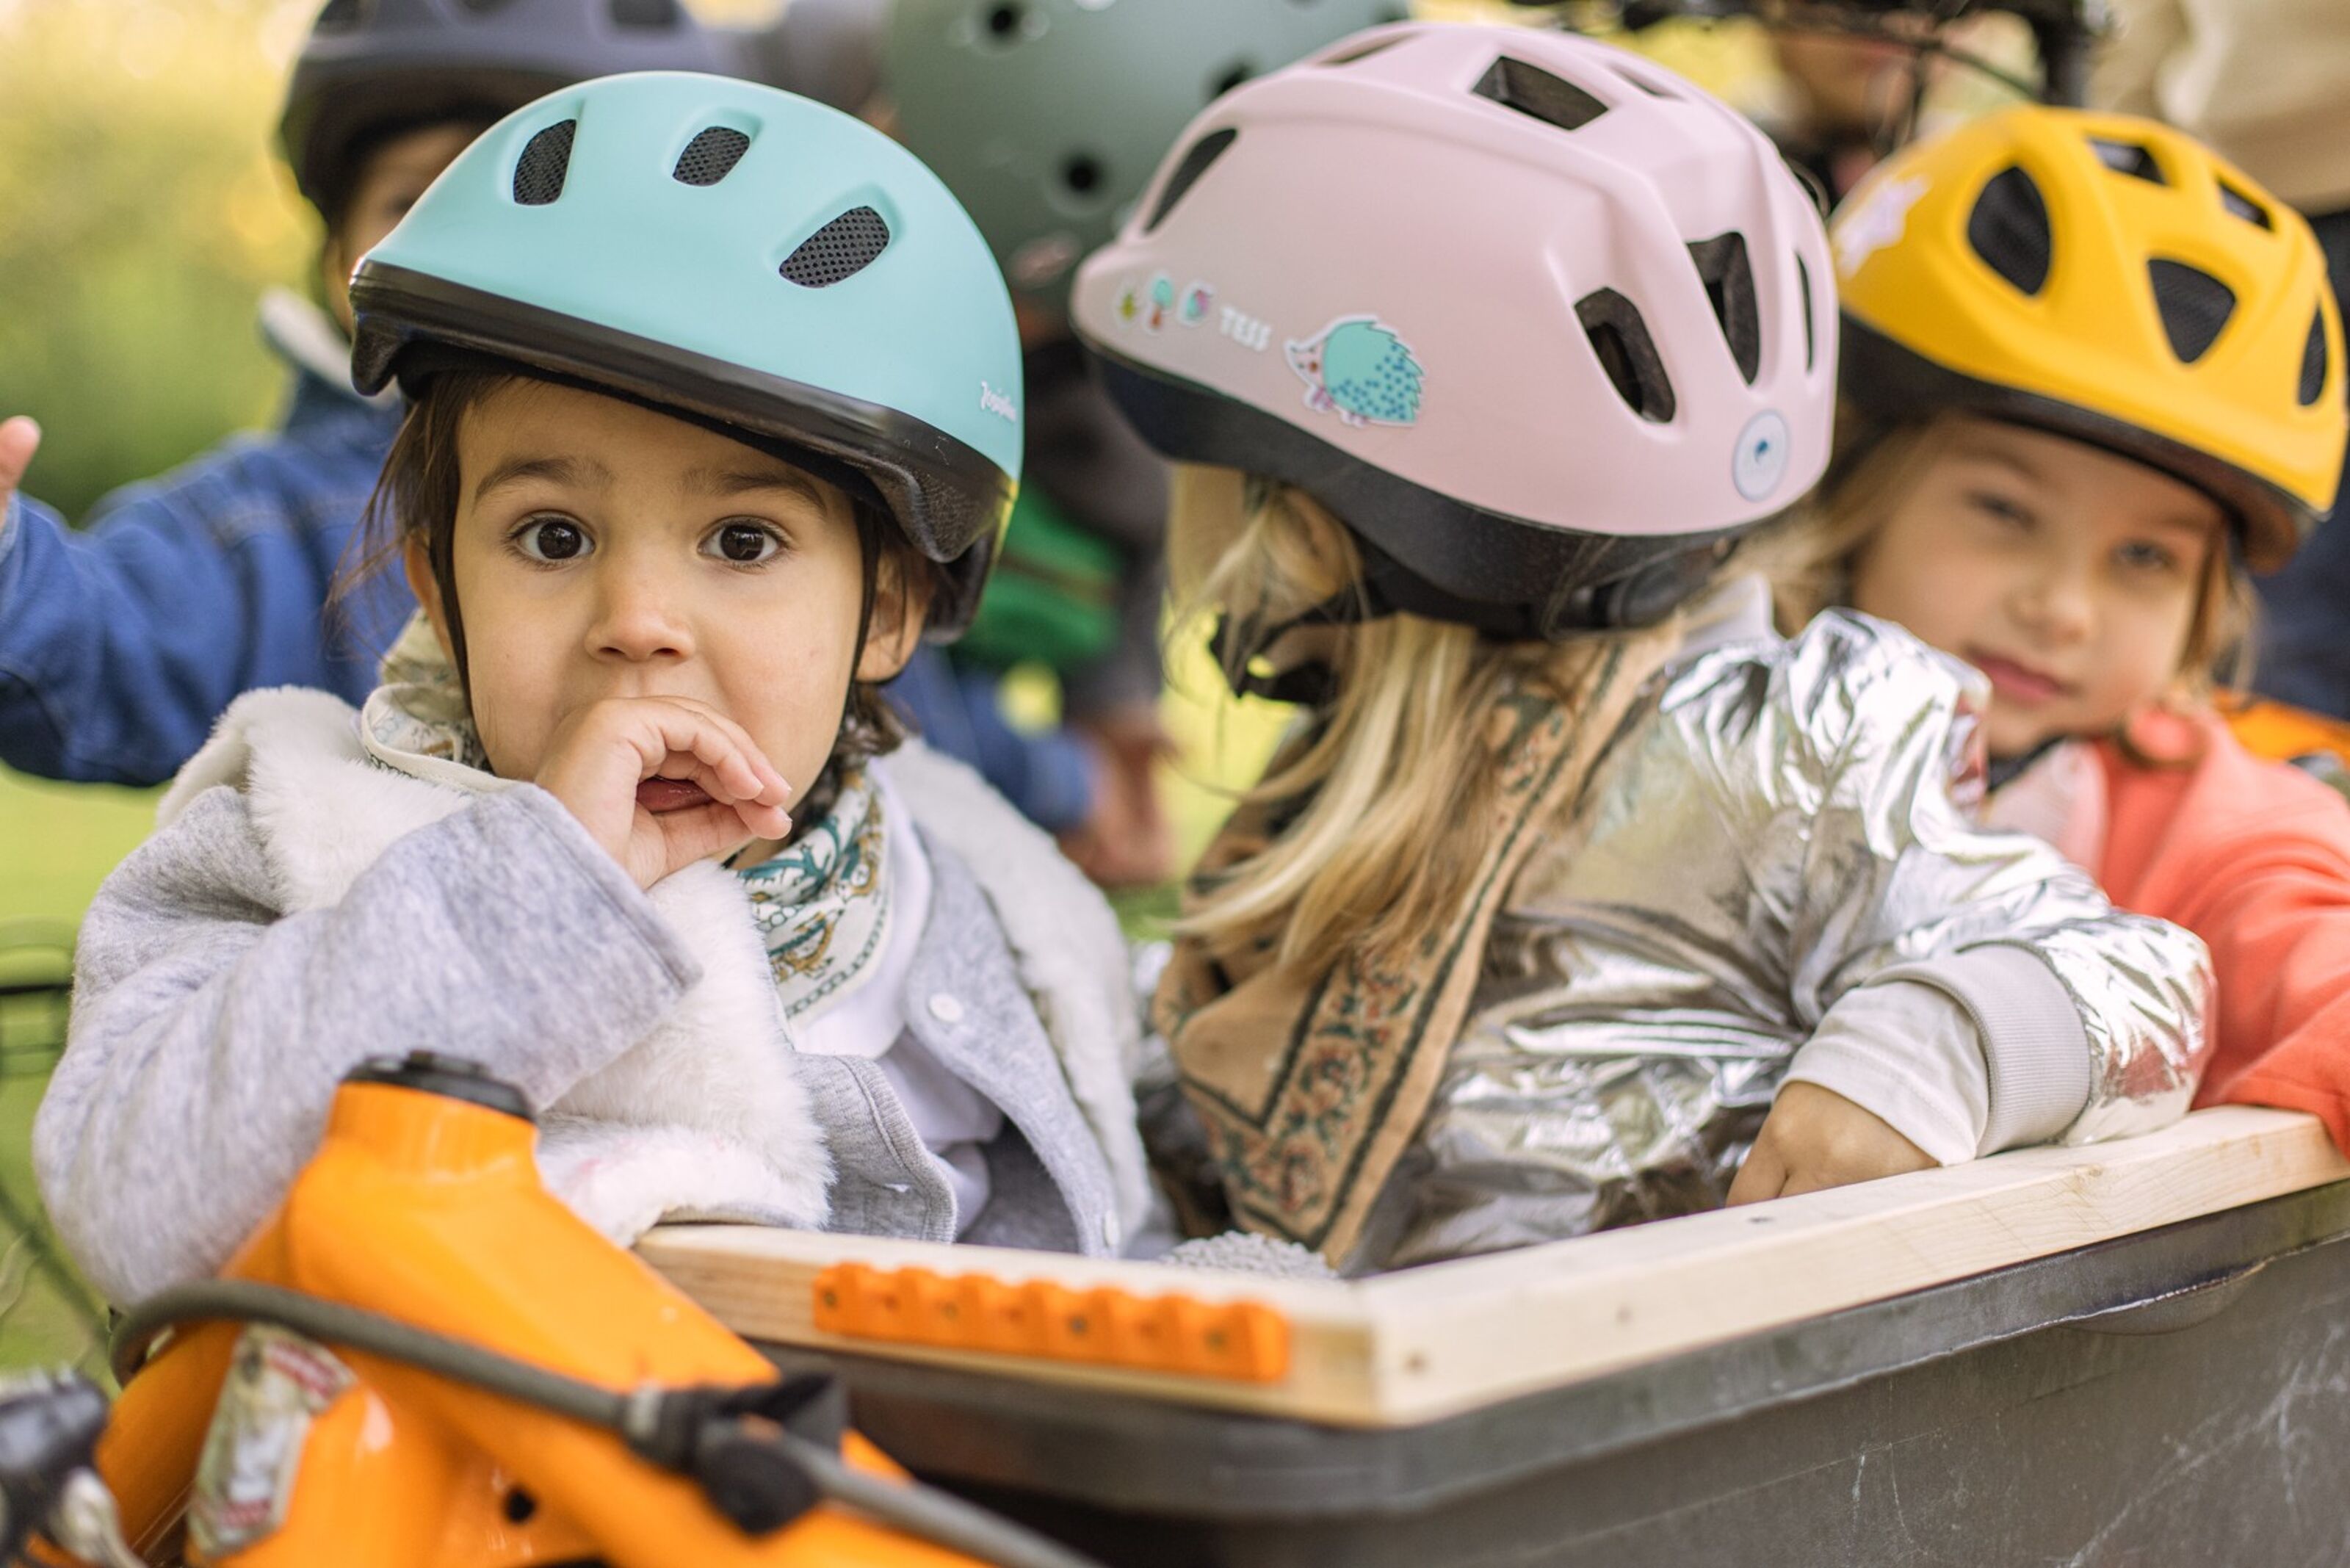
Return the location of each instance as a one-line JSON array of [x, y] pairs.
[[823, 904], [1312, 1086]]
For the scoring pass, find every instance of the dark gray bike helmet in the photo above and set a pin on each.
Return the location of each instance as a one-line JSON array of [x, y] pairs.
[[373, 65]]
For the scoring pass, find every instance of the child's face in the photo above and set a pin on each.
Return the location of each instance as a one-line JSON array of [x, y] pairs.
[[2068, 575], [386, 186], [602, 550]]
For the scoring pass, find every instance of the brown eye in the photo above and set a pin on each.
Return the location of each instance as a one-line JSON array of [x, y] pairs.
[[746, 544], [552, 539]]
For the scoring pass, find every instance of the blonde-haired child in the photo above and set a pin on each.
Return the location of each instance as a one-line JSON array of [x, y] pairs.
[[2094, 375], [1480, 348]]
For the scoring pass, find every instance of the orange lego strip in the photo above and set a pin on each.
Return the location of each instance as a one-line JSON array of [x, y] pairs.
[[1243, 1342]]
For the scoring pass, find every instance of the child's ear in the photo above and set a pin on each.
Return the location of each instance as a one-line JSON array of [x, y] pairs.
[[416, 558], [901, 604]]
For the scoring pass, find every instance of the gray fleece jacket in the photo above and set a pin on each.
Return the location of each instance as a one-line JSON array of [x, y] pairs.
[[312, 899]]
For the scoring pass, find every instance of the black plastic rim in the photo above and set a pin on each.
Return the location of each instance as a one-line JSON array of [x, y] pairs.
[[950, 498], [1504, 576], [1894, 383]]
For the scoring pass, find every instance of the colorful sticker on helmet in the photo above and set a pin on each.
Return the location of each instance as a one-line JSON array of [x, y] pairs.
[[1156, 301], [277, 1384], [1358, 369], [1761, 459], [1876, 222], [1197, 300]]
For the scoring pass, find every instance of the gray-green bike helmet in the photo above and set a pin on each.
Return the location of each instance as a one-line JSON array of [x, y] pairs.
[[752, 260], [372, 66], [1048, 117]]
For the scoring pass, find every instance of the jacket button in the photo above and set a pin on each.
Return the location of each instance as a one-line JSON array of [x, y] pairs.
[[946, 1009]]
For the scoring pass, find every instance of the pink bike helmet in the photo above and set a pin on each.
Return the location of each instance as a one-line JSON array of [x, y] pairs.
[[1542, 323]]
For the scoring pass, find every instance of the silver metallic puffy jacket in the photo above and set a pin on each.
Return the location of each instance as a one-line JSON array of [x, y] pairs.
[[1775, 829]]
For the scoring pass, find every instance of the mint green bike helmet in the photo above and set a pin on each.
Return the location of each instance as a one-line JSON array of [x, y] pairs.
[[751, 260], [1048, 117]]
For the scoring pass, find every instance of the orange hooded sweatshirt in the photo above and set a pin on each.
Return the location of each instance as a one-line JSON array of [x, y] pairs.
[[2254, 857]]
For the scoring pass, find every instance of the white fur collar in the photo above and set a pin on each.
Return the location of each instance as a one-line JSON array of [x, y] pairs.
[[703, 1117], [719, 1065]]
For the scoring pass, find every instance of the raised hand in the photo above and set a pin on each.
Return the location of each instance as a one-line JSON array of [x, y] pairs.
[[19, 438], [663, 781]]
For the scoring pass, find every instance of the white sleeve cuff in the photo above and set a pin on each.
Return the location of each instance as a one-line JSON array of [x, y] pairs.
[[2033, 1040], [1908, 1052]]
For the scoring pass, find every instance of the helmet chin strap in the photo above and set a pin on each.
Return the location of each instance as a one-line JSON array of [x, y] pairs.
[[2005, 771], [1640, 598]]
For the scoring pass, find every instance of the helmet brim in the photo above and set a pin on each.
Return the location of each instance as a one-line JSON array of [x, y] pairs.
[[1894, 383], [1506, 576], [951, 500]]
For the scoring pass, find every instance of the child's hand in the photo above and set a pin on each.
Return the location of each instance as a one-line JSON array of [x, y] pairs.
[[663, 781], [19, 438], [1814, 1138]]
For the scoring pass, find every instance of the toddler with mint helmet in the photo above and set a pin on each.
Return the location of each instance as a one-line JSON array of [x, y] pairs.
[[2093, 378], [1576, 896], [121, 642], [715, 414]]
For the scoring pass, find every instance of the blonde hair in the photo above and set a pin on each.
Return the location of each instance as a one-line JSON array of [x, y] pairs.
[[1381, 810], [1875, 469]]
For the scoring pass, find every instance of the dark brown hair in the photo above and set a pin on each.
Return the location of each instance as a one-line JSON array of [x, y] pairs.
[[417, 495]]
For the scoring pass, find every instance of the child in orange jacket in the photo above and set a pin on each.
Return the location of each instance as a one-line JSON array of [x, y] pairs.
[[2092, 374]]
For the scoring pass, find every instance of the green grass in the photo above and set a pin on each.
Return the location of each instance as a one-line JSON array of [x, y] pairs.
[[57, 842]]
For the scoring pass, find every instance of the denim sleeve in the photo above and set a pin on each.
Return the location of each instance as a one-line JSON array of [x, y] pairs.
[[120, 643], [118, 646]]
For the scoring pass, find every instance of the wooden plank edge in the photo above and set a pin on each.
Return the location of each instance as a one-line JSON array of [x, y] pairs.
[[1406, 1349], [1461, 1335]]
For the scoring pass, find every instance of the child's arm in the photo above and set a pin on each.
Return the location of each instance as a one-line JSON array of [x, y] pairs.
[[210, 1029], [2276, 912], [121, 644], [1971, 989]]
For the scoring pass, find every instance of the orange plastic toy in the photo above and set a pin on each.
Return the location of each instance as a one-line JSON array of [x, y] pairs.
[[269, 1450]]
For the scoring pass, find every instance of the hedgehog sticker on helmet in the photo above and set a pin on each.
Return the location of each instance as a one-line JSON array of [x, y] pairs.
[[1360, 368]]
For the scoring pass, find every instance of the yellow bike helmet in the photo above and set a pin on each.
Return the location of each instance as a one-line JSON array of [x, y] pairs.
[[2106, 278]]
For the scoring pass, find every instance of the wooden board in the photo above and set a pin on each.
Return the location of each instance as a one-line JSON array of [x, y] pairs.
[[1410, 1347]]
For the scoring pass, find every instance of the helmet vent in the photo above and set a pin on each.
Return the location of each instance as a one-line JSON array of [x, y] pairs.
[[2313, 361], [711, 156], [546, 159], [1363, 51], [663, 13], [2194, 306], [2245, 207], [1730, 289], [842, 248], [1228, 78], [1194, 163], [2009, 230], [1645, 84], [1514, 84], [2128, 158], [1620, 337], [1811, 332]]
